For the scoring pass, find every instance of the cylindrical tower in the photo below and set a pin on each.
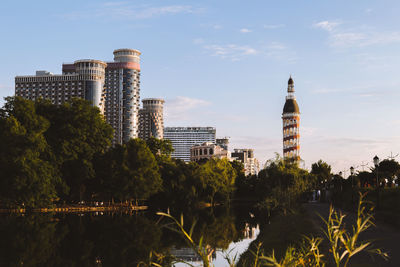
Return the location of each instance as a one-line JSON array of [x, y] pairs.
[[93, 72], [122, 94], [151, 119], [291, 125]]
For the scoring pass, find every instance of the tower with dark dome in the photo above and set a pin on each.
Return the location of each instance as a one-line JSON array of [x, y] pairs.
[[291, 125]]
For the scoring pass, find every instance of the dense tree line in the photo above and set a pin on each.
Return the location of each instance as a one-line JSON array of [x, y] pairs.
[[281, 185], [62, 153]]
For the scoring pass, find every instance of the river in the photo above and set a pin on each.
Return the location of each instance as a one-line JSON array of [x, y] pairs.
[[120, 239]]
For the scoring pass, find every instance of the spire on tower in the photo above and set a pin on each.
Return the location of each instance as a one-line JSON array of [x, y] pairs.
[[290, 82]]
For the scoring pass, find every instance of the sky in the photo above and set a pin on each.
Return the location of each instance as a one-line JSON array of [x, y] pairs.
[[226, 64]]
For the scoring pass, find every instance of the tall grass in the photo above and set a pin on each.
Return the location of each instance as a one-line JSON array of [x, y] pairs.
[[343, 243]]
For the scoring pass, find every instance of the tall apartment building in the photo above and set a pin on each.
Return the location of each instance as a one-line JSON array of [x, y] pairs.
[[151, 119], [86, 81], [291, 125], [246, 156], [183, 138], [121, 93], [114, 87]]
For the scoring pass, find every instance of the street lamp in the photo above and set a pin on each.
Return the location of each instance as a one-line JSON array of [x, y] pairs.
[[352, 191], [376, 163], [352, 172]]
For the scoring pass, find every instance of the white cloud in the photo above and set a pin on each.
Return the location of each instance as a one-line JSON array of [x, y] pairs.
[[327, 25], [178, 108], [274, 26], [245, 30], [236, 52], [356, 37], [231, 51], [130, 11]]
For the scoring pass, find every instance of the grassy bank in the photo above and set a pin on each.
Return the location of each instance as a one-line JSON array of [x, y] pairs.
[[279, 233], [388, 210]]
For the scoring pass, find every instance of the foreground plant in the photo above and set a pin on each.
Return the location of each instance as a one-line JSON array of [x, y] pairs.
[[204, 252], [345, 244], [307, 254]]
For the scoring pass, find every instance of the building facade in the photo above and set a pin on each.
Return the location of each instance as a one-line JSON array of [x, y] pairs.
[[183, 138], [246, 156], [86, 81], [114, 87], [151, 119], [206, 151], [223, 142], [291, 125]]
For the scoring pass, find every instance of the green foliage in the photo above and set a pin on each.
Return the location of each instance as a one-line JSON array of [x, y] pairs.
[[281, 184], [129, 172], [322, 171], [389, 169], [218, 178], [203, 250], [27, 178], [76, 134], [160, 147]]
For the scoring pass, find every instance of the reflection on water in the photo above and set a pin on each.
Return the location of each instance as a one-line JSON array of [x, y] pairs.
[[116, 239]]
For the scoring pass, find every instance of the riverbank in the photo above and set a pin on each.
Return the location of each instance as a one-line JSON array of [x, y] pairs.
[[76, 209], [384, 236]]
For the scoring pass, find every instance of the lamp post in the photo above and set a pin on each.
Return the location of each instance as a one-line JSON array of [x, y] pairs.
[[376, 163], [352, 184], [341, 182], [352, 173]]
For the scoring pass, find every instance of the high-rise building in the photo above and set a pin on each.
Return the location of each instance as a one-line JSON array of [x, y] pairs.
[[85, 81], [114, 87], [246, 156], [183, 138], [291, 125], [151, 119], [122, 94]]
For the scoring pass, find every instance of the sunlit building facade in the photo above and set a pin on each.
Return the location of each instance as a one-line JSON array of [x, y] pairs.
[[85, 81], [151, 119], [183, 138], [246, 156], [113, 87], [207, 151]]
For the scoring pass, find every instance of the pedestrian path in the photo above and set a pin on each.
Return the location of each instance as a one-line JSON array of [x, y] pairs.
[[385, 237]]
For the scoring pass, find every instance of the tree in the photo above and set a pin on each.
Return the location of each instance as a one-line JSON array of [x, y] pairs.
[[366, 179], [218, 177], [388, 169], [76, 134], [129, 171], [322, 171], [26, 177], [281, 184], [162, 147]]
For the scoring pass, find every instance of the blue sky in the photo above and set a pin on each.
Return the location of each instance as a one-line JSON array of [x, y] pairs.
[[226, 64]]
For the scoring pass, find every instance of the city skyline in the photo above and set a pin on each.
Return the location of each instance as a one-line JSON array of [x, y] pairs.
[[218, 66]]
